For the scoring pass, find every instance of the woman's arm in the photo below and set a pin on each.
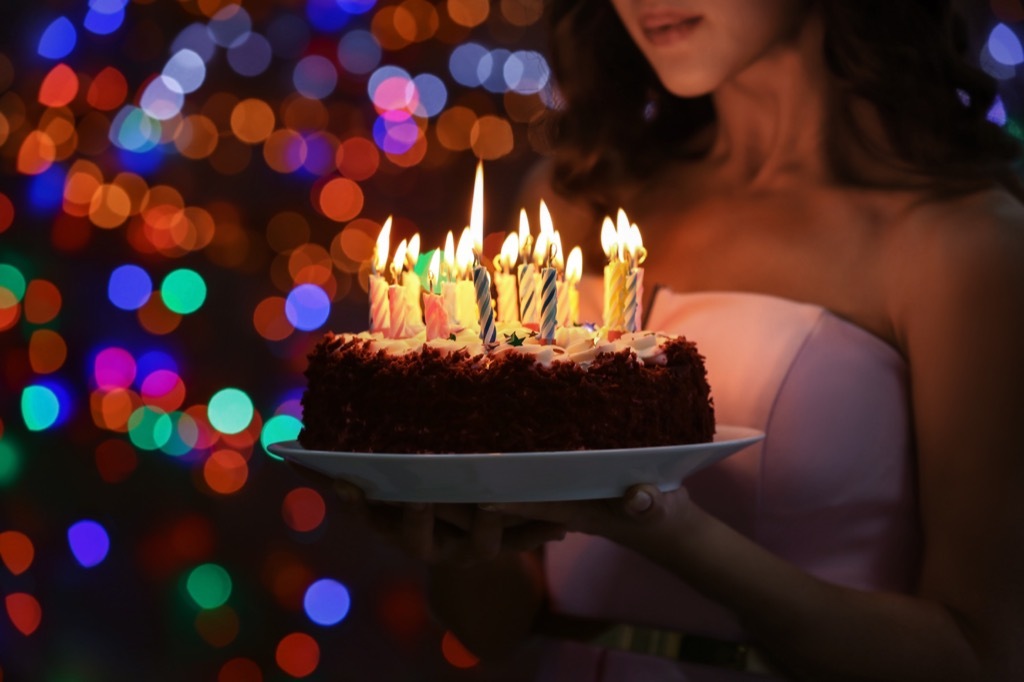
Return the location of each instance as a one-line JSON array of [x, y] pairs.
[[960, 311]]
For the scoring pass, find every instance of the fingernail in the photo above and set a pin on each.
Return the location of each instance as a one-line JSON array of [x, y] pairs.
[[640, 502]]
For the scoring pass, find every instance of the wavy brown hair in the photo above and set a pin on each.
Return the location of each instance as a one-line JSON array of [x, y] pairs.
[[904, 57]]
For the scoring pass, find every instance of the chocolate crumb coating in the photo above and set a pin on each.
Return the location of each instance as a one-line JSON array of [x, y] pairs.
[[360, 400]]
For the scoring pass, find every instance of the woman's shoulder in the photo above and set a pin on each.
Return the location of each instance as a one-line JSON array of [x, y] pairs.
[[959, 251], [984, 227]]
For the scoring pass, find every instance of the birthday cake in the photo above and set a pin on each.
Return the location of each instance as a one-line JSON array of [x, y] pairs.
[[368, 393]]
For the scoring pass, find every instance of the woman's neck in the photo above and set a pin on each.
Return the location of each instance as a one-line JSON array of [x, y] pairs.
[[770, 125]]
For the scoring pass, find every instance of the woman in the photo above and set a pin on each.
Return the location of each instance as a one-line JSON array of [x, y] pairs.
[[835, 224]]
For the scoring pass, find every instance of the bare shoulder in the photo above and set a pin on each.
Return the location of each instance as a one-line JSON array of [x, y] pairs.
[[959, 249]]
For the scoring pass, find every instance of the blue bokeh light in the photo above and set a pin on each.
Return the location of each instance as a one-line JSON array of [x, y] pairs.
[[89, 542], [58, 39], [129, 287], [307, 307], [327, 602]]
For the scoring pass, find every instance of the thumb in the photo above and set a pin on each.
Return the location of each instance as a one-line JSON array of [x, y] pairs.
[[643, 502]]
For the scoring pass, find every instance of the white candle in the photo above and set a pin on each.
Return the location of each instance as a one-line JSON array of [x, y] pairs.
[[573, 274]]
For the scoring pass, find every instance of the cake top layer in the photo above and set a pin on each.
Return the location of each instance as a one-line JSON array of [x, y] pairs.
[[579, 344]]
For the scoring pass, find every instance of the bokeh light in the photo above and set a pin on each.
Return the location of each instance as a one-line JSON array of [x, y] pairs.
[[327, 602], [89, 542], [209, 585], [191, 195]]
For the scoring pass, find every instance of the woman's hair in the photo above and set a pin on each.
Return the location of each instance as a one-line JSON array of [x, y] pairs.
[[618, 122]]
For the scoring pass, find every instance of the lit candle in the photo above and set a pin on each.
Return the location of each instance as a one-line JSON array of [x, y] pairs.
[[410, 280], [562, 287], [505, 280], [526, 274], [573, 275], [398, 299], [548, 289], [614, 277], [543, 254], [635, 279], [380, 319], [433, 305], [467, 312], [481, 278]]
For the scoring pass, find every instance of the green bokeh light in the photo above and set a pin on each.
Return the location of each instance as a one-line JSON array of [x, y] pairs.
[[12, 280], [230, 411], [209, 585], [279, 428], [183, 291], [40, 407], [149, 428], [10, 463]]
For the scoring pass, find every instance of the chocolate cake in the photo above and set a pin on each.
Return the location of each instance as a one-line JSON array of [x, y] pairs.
[[369, 394]]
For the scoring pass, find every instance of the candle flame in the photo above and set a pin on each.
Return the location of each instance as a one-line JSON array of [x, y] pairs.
[[398, 264], [464, 253], [449, 250], [622, 225], [557, 258], [540, 249], [412, 255], [476, 216], [434, 269], [546, 224], [635, 246], [609, 240], [574, 265], [509, 251], [380, 251], [525, 240]]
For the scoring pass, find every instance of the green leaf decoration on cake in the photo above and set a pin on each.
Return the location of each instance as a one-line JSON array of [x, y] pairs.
[[451, 337], [513, 340]]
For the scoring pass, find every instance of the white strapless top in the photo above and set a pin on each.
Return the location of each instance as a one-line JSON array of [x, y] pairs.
[[831, 488]]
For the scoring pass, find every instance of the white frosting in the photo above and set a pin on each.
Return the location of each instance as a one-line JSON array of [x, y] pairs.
[[572, 344]]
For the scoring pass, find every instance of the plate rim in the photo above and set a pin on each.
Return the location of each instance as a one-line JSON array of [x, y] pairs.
[[746, 434]]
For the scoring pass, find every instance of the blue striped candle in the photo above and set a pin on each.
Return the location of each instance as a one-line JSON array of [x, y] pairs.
[[548, 305], [482, 282]]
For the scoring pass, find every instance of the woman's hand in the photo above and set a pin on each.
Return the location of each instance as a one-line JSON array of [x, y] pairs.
[[643, 508], [455, 534]]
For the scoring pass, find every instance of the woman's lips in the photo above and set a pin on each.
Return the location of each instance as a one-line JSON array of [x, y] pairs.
[[665, 29]]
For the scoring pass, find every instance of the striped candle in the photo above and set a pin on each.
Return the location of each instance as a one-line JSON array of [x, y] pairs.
[[548, 305], [380, 317], [527, 293], [482, 282], [630, 306], [398, 301]]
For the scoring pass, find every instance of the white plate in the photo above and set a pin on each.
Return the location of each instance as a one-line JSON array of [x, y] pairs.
[[518, 476]]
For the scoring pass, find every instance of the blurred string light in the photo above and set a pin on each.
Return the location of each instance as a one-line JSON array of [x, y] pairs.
[[115, 128], [89, 542]]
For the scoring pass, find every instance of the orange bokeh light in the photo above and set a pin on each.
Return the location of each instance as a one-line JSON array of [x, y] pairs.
[[225, 471], [42, 301], [303, 509], [340, 199], [59, 87], [47, 351], [297, 654], [16, 551]]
